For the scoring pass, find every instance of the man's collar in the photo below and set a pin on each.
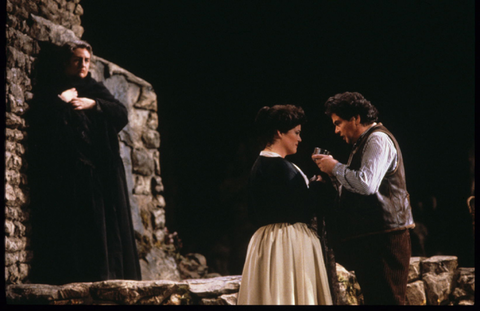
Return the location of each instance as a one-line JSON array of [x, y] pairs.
[[365, 133]]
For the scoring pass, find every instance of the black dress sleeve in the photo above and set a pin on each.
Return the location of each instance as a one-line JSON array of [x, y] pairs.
[[277, 193]]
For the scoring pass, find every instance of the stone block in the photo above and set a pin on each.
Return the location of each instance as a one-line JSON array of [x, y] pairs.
[[12, 75], [415, 295], [159, 265], [12, 177], [19, 229], [157, 185], [172, 295], [414, 269], [152, 121], [14, 135], [210, 288], [36, 293], [229, 299], [13, 162], [465, 279], [15, 244], [142, 162], [193, 266], [160, 201], [116, 291], [78, 30], [141, 201], [9, 228], [10, 196], [15, 58], [21, 41], [349, 289], [439, 264], [14, 213], [46, 30], [178, 299], [11, 258], [14, 121], [14, 229], [20, 9], [212, 302], [159, 218], [127, 93], [142, 185], [438, 287], [16, 105], [159, 234], [70, 6], [459, 294], [137, 120], [23, 271], [127, 136], [78, 10], [151, 139], [147, 99], [18, 257], [14, 148]]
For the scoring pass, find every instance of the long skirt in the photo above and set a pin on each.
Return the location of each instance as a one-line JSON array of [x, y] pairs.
[[284, 266]]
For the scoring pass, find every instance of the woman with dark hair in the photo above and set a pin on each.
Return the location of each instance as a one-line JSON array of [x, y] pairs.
[[284, 263], [81, 220]]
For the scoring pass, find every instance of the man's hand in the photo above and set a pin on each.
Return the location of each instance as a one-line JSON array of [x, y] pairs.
[[325, 163], [68, 95], [82, 103]]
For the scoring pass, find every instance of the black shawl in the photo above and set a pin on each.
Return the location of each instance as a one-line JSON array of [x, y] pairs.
[[81, 220]]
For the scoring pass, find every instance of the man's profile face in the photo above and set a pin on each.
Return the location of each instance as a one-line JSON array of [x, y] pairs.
[[347, 129], [79, 63]]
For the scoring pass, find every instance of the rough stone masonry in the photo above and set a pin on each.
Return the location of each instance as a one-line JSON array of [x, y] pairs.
[[29, 24], [431, 281]]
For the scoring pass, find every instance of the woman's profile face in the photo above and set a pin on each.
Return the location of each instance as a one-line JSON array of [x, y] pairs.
[[79, 63], [291, 139]]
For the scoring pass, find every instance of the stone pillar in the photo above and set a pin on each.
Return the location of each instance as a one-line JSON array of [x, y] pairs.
[[28, 23]]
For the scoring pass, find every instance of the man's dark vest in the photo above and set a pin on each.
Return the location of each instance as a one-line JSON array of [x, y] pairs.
[[386, 210]]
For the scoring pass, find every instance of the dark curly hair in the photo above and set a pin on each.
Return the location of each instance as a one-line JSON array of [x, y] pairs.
[[351, 104], [279, 117]]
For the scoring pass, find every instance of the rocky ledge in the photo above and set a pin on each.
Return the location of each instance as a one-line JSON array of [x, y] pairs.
[[435, 280], [218, 291]]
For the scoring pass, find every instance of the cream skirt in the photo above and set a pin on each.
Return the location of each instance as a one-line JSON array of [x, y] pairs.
[[284, 266]]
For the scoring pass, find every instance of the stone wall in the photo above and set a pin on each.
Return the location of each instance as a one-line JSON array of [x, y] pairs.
[[29, 26], [432, 281]]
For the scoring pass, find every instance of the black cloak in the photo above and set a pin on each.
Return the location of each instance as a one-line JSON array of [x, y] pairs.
[[81, 219]]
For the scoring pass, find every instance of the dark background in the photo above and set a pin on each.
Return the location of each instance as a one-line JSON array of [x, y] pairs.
[[214, 64]]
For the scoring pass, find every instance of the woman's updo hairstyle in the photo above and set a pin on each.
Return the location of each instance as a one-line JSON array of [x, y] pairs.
[[279, 117]]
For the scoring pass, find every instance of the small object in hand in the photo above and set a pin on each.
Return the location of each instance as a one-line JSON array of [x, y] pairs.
[[318, 150]]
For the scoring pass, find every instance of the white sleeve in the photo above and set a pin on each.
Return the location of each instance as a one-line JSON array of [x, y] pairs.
[[379, 157]]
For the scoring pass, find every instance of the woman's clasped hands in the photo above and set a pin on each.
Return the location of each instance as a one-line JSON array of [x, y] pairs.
[[78, 103]]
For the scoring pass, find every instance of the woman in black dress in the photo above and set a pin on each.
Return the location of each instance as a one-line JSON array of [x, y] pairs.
[[81, 220], [284, 263]]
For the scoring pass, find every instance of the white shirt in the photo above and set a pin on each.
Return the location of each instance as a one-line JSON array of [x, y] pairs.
[[379, 157]]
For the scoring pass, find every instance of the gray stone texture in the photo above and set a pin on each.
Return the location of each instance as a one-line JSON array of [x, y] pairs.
[[29, 23], [223, 290], [432, 281]]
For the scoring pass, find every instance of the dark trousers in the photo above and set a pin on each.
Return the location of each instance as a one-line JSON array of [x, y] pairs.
[[381, 263]]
